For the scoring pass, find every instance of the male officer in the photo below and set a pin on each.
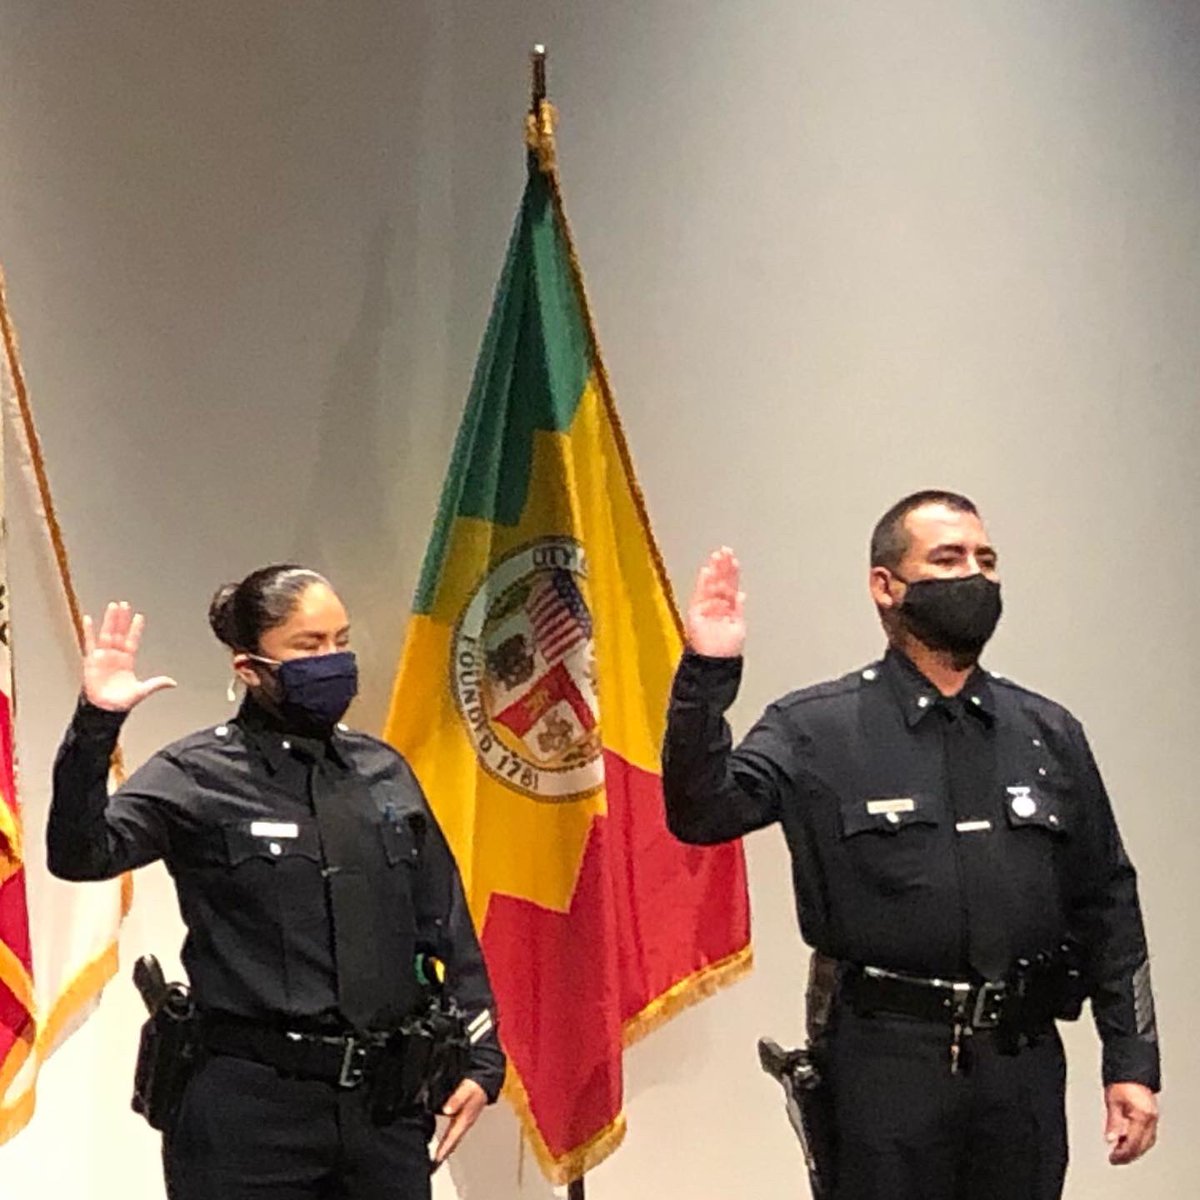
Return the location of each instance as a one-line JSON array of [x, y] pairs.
[[957, 870]]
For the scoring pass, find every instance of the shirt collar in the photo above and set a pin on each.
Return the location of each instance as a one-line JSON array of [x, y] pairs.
[[918, 697], [276, 743]]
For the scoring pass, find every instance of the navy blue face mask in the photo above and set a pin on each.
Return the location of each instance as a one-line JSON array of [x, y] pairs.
[[314, 690]]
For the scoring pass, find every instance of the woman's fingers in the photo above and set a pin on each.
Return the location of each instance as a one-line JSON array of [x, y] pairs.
[[133, 639], [120, 629]]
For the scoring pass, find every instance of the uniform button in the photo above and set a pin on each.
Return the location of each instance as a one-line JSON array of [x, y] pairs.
[[1053, 819], [1041, 770], [276, 848], [1037, 741], [922, 701], [976, 700], [869, 674], [342, 727], [893, 818], [222, 731], [286, 744]]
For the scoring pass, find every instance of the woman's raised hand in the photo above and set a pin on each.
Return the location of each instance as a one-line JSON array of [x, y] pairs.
[[109, 660]]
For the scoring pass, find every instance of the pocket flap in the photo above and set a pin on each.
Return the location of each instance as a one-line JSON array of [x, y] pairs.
[[1025, 807], [245, 840], [399, 841], [888, 814]]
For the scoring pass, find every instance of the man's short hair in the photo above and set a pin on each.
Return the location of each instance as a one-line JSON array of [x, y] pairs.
[[889, 538]]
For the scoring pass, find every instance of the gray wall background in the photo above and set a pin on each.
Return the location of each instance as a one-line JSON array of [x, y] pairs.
[[837, 252]]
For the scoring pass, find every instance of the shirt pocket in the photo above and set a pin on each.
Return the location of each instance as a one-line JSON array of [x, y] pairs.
[[889, 841], [399, 842], [271, 842], [1026, 809]]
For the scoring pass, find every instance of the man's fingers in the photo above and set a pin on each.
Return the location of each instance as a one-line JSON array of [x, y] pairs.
[[1140, 1136], [89, 636], [714, 608], [725, 567], [709, 587], [721, 570], [1130, 1132]]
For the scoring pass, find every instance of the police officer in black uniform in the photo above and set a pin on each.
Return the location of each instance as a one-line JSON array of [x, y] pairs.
[[957, 870], [317, 891]]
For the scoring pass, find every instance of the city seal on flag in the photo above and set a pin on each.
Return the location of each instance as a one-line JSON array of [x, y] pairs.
[[523, 673]]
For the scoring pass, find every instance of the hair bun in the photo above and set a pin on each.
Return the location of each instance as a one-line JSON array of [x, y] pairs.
[[221, 615]]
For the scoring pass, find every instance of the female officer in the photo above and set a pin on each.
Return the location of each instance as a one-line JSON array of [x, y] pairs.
[[311, 877]]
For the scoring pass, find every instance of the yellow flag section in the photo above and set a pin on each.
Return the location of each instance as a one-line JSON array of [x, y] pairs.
[[531, 701]]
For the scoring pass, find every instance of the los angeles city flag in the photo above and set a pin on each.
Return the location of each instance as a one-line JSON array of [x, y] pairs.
[[531, 699]]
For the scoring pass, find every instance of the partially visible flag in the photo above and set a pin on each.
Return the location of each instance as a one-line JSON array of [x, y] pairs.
[[17, 1023], [531, 701], [18, 1027], [67, 932]]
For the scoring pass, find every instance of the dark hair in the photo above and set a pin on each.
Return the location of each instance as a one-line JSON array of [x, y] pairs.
[[889, 538], [240, 613]]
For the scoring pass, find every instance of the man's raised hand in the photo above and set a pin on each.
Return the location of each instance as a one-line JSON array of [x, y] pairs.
[[716, 623]]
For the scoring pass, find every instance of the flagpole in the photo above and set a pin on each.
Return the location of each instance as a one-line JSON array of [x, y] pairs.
[[537, 63]]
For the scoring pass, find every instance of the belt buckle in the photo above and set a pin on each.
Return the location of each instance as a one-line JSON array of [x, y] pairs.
[[354, 1063], [989, 1004]]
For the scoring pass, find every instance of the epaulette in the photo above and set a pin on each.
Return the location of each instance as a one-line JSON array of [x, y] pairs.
[[1027, 693], [832, 688], [200, 739]]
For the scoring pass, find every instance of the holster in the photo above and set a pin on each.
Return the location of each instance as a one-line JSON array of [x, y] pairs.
[[168, 1048], [1040, 990], [422, 1064], [807, 1094]]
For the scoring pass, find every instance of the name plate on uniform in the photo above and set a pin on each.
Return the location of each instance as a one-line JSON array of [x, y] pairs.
[[899, 804], [274, 829]]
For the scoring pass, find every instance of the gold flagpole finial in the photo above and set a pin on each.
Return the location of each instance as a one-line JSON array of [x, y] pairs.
[[539, 122]]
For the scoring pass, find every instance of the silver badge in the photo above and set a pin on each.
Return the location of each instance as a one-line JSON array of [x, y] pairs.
[[1024, 805]]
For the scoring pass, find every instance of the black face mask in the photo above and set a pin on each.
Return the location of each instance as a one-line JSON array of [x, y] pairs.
[[314, 691], [957, 615]]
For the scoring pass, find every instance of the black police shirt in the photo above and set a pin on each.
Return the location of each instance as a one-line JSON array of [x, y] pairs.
[[931, 835], [233, 812]]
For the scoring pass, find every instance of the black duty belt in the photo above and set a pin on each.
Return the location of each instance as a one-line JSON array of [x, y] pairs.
[[957, 1003], [344, 1059]]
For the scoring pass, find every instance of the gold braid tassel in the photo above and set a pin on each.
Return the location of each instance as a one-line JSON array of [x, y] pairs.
[[539, 136]]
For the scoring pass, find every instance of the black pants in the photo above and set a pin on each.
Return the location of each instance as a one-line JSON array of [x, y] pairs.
[[909, 1129], [246, 1133]]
